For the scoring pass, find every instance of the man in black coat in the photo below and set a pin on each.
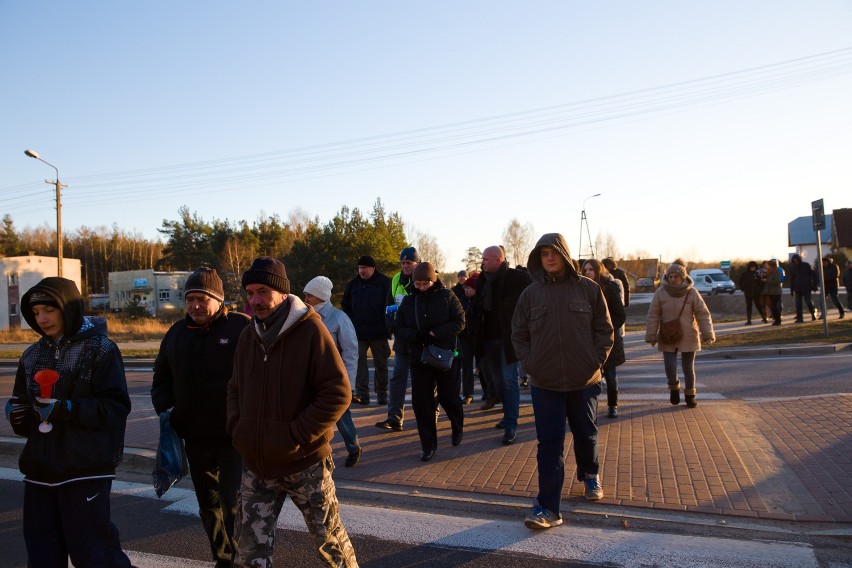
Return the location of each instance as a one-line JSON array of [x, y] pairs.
[[364, 301], [497, 293], [191, 376], [803, 281]]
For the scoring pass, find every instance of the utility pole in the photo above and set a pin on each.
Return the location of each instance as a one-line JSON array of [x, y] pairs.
[[59, 186]]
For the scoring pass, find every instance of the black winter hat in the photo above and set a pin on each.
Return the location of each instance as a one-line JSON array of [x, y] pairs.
[[409, 253], [268, 271], [206, 281], [367, 260]]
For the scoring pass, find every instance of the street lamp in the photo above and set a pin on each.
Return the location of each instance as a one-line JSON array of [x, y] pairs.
[[34, 154], [586, 221]]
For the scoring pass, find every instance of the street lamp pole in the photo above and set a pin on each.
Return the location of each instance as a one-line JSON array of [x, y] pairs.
[[59, 186], [586, 221]]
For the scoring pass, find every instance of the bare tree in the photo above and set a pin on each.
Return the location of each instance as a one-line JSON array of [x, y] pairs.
[[518, 241], [605, 246], [429, 250]]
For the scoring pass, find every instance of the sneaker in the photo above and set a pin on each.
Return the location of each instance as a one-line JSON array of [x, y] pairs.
[[353, 458], [541, 518], [358, 399], [389, 425], [613, 412], [594, 491]]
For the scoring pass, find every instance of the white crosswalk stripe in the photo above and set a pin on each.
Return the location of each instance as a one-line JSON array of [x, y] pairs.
[[631, 549]]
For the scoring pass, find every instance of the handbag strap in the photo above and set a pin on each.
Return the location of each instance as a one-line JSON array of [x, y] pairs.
[[416, 317], [685, 298]]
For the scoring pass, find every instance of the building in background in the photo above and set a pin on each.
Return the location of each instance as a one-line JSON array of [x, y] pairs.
[[19, 274], [841, 237], [801, 236], [160, 293]]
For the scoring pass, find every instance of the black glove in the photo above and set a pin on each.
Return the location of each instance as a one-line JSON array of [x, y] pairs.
[[17, 413], [56, 411], [424, 337]]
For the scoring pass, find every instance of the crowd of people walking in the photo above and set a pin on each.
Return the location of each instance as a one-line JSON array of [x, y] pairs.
[[256, 399]]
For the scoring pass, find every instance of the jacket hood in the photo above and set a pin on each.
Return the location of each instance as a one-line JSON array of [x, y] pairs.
[[66, 295], [557, 241]]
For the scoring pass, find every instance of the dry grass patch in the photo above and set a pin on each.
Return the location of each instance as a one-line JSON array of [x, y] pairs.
[[839, 331], [120, 329]]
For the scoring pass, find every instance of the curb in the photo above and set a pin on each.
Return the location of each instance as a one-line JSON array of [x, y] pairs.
[[773, 351]]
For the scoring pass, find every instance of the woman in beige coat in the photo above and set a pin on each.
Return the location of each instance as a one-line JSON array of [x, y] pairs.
[[677, 296]]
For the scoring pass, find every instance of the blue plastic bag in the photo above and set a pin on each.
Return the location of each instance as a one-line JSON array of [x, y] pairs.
[[171, 465]]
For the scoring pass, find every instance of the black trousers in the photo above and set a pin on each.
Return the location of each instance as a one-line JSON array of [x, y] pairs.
[[71, 520], [216, 475], [424, 381]]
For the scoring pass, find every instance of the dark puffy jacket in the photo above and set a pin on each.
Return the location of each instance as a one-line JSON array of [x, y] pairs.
[[91, 375], [802, 276], [191, 376], [438, 311], [561, 328], [364, 301]]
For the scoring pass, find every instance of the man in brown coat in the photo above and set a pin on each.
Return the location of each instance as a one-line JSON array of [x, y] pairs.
[[288, 390]]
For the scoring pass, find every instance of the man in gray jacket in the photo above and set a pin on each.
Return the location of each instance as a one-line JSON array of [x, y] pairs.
[[562, 335]]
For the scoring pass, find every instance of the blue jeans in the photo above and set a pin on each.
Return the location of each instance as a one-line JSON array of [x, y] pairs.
[[397, 386], [502, 373], [552, 410], [348, 432]]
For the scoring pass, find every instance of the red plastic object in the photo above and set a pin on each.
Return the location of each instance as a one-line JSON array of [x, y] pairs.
[[46, 378]]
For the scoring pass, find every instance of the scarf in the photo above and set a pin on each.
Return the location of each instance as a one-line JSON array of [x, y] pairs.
[[269, 328]]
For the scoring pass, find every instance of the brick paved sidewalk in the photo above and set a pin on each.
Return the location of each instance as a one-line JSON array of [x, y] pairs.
[[724, 457], [785, 460]]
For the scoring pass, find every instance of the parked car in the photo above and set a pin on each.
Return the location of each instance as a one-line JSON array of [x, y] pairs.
[[712, 281]]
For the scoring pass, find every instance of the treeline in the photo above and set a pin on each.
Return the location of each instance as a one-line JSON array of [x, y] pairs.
[[306, 246]]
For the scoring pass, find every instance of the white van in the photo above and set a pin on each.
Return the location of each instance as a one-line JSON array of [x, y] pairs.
[[712, 281]]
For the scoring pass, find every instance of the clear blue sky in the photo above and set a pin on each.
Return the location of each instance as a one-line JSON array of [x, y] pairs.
[[705, 126]]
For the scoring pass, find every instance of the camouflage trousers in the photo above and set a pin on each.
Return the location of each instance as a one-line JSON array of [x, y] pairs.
[[313, 492]]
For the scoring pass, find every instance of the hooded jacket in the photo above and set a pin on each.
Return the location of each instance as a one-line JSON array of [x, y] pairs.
[[285, 400], [561, 328], [90, 443], [191, 376]]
